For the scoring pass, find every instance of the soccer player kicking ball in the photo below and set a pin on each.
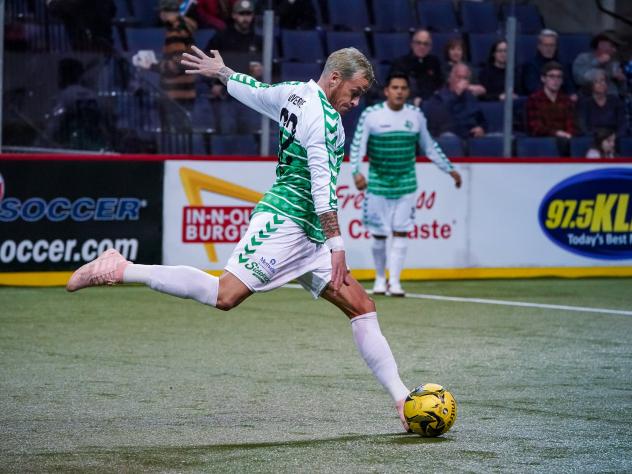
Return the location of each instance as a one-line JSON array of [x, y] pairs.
[[295, 225], [389, 132]]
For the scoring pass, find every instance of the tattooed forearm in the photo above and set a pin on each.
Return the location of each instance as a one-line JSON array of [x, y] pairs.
[[224, 73], [329, 223]]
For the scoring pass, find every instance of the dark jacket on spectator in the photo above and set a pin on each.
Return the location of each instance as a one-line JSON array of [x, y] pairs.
[[450, 113], [232, 41], [611, 115], [425, 74], [493, 79]]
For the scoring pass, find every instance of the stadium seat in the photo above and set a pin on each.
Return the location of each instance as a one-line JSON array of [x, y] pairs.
[[300, 71], [625, 146], [393, 15], [479, 46], [343, 39], [305, 46], [234, 145], [572, 44], [202, 36], [349, 122], [145, 38], [437, 15], [200, 143], [526, 47], [348, 15], [485, 146], [146, 12], [534, 147], [388, 46], [528, 17], [451, 146], [381, 71], [579, 146], [479, 17], [494, 115], [202, 116], [274, 140]]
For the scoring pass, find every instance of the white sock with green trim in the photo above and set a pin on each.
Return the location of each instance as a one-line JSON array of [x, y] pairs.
[[180, 281], [377, 354], [379, 257], [396, 262]]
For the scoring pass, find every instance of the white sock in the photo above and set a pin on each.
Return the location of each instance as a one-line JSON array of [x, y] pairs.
[[180, 281], [396, 262], [377, 354], [379, 257]]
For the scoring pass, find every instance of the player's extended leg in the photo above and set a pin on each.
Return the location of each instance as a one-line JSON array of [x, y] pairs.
[[379, 258], [372, 345], [396, 263], [111, 268]]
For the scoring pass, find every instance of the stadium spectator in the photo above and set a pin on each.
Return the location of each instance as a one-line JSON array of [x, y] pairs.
[[546, 51], [294, 231], [390, 132], [455, 52], [550, 112], [454, 110], [600, 109], [178, 86], [602, 58], [239, 43], [603, 145], [492, 76], [422, 67], [214, 13], [88, 23]]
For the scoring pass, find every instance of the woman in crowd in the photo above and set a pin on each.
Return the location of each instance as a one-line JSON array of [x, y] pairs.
[[603, 144]]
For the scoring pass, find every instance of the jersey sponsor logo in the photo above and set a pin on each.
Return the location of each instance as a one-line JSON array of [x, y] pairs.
[[62, 208], [590, 214]]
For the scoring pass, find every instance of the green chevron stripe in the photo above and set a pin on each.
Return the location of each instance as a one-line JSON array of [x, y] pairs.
[[248, 251], [262, 235], [255, 242], [277, 220], [242, 259]]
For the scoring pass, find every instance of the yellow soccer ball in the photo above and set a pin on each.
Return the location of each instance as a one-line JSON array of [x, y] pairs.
[[430, 410]]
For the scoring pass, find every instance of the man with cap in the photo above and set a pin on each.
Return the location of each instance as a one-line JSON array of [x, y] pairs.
[[601, 59], [239, 36]]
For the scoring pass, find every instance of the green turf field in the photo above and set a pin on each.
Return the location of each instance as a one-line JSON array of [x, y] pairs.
[[128, 380]]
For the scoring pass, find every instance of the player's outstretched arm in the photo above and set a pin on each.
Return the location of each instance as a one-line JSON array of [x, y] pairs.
[[210, 66]]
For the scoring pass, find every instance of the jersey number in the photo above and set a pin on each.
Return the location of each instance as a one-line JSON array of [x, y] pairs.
[[289, 122]]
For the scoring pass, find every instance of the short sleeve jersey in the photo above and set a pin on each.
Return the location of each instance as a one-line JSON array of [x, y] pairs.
[[311, 148]]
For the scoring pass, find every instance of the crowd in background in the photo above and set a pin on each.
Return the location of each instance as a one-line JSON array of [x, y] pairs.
[[557, 97]]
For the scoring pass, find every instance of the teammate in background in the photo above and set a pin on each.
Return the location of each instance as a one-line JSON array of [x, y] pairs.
[[389, 133], [294, 232]]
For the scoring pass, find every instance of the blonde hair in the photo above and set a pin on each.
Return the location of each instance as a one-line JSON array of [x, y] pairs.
[[348, 62]]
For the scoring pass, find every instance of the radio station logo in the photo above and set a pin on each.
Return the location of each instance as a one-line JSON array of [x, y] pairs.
[[590, 214]]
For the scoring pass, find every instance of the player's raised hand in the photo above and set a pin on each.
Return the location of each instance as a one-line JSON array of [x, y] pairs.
[[201, 63]]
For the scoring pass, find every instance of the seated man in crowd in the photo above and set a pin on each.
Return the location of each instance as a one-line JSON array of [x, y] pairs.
[[602, 58], [454, 110], [550, 112], [547, 51], [422, 68]]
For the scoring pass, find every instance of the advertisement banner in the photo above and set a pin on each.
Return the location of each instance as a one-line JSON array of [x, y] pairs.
[[58, 215], [208, 205]]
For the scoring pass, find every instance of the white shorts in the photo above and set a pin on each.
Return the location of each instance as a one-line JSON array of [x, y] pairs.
[[382, 216], [275, 251]]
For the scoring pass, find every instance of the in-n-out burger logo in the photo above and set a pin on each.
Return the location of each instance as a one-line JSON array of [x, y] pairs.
[[351, 199], [213, 224], [218, 224]]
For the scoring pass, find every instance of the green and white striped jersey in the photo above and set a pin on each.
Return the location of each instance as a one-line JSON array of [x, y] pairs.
[[311, 148], [389, 138]]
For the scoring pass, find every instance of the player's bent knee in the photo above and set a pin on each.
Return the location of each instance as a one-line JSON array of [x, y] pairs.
[[362, 305]]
